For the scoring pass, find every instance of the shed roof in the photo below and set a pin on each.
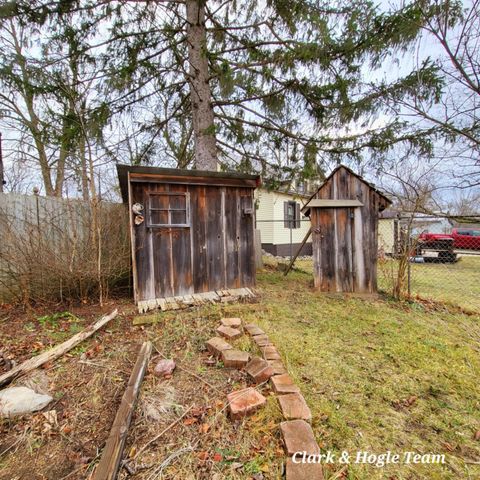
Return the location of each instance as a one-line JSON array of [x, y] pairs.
[[175, 175], [306, 207]]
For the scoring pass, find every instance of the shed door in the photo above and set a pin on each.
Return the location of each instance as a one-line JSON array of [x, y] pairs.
[[332, 249], [163, 241]]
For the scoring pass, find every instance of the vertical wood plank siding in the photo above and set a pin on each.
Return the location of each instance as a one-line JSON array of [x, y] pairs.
[[232, 238], [215, 252], [345, 239]]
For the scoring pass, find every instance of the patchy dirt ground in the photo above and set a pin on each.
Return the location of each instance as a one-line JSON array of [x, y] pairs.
[[87, 385]]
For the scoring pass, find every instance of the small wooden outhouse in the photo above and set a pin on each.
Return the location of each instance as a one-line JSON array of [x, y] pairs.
[[192, 231], [344, 219]]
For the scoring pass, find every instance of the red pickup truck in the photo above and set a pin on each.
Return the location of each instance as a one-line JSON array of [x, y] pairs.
[[463, 238]]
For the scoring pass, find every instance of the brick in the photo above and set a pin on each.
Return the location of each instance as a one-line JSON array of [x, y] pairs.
[[229, 332], [231, 322], [270, 355], [259, 370], [283, 384], [278, 367], [269, 352], [298, 437], [303, 471], [244, 402], [261, 340], [253, 329], [235, 358], [217, 345], [294, 407]]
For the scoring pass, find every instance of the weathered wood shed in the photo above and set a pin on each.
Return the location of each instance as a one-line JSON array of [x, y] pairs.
[[344, 218], [191, 231]]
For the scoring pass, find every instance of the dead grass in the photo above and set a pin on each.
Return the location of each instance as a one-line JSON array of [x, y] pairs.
[[218, 447], [88, 384]]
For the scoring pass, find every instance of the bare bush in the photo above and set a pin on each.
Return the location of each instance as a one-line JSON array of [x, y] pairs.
[[52, 249]]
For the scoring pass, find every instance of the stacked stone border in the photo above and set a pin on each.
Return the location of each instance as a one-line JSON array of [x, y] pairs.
[[297, 434]]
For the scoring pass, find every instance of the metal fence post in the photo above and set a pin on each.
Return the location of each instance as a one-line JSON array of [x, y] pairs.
[[291, 245]]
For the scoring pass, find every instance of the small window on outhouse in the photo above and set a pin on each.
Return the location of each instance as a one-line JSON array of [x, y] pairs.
[[168, 209], [291, 218]]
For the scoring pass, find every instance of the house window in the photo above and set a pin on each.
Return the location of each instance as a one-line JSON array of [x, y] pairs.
[[291, 217], [168, 209]]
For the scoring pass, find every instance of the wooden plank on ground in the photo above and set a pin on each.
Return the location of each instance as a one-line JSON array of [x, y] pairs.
[[56, 351], [109, 464]]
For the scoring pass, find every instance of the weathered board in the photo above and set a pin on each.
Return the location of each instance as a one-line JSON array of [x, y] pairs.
[[109, 465], [197, 233], [180, 302], [345, 237]]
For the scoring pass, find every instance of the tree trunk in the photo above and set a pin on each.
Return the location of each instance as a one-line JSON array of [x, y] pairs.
[[63, 153], [83, 170], [33, 122], [200, 93], [1, 165]]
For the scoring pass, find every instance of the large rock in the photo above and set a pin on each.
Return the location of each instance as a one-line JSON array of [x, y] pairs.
[[20, 400]]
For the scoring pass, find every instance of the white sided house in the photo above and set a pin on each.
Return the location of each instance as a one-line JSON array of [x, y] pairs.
[[280, 221]]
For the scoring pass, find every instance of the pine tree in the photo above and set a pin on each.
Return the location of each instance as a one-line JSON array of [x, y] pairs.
[[247, 77], [48, 99]]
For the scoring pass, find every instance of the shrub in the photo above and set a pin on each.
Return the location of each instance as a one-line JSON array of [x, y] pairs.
[[56, 249]]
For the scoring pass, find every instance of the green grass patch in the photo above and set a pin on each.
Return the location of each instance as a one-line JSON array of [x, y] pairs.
[[378, 375], [455, 284]]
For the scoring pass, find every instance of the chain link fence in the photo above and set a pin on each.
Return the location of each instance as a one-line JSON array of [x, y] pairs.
[[431, 257]]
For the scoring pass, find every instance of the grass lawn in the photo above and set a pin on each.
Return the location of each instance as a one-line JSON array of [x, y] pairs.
[[457, 283], [379, 375]]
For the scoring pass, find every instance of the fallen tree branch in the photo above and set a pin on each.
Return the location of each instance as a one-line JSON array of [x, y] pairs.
[[109, 464], [56, 351]]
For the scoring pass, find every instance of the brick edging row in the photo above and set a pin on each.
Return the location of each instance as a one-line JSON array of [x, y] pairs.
[[296, 431]]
